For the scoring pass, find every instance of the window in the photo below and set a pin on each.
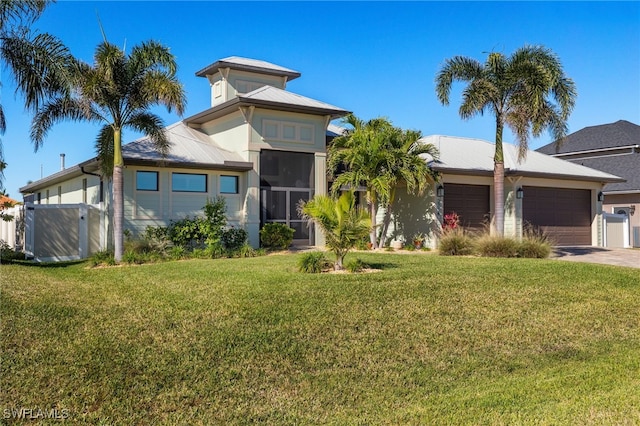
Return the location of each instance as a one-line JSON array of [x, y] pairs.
[[290, 132], [228, 184], [47, 196], [59, 195], [187, 182], [146, 181], [84, 190], [39, 197]]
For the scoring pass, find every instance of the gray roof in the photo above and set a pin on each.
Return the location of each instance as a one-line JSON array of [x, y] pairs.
[[618, 134], [189, 148], [271, 98], [251, 65], [626, 166], [475, 157]]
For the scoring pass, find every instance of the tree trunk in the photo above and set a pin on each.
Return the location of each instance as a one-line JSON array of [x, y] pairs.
[[118, 197], [373, 211], [498, 180], [387, 218]]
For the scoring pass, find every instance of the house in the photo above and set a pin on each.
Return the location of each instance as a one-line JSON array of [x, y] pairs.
[[259, 146], [263, 149], [612, 148], [556, 196]]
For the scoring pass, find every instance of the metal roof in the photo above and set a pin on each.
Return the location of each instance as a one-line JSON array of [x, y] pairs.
[[189, 147], [251, 65], [475, 157], [269, 97]]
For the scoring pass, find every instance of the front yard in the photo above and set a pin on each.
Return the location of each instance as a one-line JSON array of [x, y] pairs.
[[429, 340]]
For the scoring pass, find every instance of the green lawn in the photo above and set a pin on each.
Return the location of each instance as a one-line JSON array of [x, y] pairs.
[[429, 340]]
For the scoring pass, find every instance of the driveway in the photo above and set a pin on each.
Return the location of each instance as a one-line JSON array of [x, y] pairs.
[[607, 256]]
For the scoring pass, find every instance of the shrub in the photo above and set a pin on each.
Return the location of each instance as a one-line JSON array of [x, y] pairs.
[[356, 266], [456, 242], [246, 251], [214, 250], [496, 246], [177, 252], [233, 238], [313, 262], [535, 244], [276, 236], [7, 253], [103, 257]]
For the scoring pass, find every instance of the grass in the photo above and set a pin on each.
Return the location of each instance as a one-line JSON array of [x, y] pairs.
[[429, 340]]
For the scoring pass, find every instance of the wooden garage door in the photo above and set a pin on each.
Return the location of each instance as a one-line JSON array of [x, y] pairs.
[[470, 202], [564, 214]]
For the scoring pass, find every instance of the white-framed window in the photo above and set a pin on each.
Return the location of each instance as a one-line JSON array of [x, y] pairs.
[[229, 184], [146, 180], [188, 182], [244, 86], [288, 132]]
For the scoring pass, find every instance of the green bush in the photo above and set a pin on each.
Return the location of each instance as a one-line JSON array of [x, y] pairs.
[[104, 257], [456, 242], [496, 246], [215, 250], [233, 238], [357, 265], [313, 262], [276, 236], [7, 253]]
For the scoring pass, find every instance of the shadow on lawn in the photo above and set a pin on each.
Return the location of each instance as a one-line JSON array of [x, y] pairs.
[[32, 263]]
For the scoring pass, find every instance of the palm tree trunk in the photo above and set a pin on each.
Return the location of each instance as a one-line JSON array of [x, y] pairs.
[[374, 212], [387, 218], [498, 179], [118, 196]]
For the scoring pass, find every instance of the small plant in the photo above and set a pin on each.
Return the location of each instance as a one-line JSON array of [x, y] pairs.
[[214, 250], [246, 251], [496, 246], [233, 238], [451, 222], [456, 242], [276, 236], [177, 252], [103, 257], [535, 244], [356, 266], [313, 262], [7, 252], [418, 240]]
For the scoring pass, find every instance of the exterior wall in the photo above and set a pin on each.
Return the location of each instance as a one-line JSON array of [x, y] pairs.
[[632, 203], [231, 133], [258, 141], [72, 191], [224, 88], [158, 208]]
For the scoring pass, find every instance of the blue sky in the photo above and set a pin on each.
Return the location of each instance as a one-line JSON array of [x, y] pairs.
[[372, 58]]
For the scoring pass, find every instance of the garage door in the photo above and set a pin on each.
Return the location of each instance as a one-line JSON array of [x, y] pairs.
[[564, 214], [470, 202]]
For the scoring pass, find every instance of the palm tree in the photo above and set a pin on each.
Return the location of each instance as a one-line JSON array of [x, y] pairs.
[[342, 222], [377, 156], [38, 62], [118, 90], [527, 91]]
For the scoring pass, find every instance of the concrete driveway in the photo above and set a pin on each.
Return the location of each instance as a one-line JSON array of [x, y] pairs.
[[607, 256]]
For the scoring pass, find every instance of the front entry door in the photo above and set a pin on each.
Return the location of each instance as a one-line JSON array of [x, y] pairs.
[[280, 204]]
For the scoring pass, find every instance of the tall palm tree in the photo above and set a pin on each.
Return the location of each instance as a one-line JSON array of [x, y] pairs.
[[342, 222], [118, 90], [377, 156], [38, 62], [527, 91]]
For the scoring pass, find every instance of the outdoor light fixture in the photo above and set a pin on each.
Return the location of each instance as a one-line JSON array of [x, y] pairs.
[[440, 191], [632, 209], [600, 196], [520, 193]]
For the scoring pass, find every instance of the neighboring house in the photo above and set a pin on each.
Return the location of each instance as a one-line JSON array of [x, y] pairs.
[[263, 149], [612, 148], [559, 197], [259, 146]]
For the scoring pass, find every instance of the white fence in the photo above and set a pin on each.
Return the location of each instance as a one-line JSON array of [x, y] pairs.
[[12, 231]]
